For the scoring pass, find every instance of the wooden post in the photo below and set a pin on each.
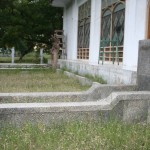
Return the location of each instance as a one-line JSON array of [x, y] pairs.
[[148, 27]]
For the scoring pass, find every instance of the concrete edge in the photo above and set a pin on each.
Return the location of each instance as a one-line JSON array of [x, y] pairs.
[[104, 104], [22, 66], [94, 86]]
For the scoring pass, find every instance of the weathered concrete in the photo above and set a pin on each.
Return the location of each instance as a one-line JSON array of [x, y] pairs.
[[83, 81], [17, 66], [12, 55], [97, 91], [41, 56], [143, 72], [113, 74], [48, 107], [99, 103], [126, 106]]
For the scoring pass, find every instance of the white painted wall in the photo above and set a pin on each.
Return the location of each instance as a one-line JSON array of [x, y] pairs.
[[95, 31], [70, 28], [75, 30], [135, 27], [67, 29]]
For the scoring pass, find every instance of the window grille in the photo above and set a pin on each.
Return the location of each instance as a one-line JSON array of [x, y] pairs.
[[84, 20], [112, 30]]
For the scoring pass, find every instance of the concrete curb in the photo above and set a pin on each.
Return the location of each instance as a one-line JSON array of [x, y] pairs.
[[20, 66], [125, 106], [97, 91]]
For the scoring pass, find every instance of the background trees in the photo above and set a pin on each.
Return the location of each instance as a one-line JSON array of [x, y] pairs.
[[26, 23]]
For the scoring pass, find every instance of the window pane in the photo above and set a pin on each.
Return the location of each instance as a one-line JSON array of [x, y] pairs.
[[106, 26], [118, 23], [84, 30]]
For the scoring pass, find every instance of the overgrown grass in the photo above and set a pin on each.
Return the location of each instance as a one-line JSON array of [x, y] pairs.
[[77, 135], [37, 80], [95, 78], [32, 57]]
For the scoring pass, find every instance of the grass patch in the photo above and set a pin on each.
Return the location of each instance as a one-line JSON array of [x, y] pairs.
[[32, 57], [95, 78], [77, 135], [37, 80]]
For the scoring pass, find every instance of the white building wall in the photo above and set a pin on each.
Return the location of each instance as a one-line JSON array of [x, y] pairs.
[[95, 31], [71, 29], [70, 25], [135, 28], [67, 29]]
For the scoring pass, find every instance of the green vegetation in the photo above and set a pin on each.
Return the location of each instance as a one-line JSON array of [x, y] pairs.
[[32, 58], [37, 80], [77, 135], [25, 24], [95, 78]]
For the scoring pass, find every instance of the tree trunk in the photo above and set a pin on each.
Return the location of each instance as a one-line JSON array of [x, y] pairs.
[[54, 59], [21, 57], [54, 50], [23, 53]]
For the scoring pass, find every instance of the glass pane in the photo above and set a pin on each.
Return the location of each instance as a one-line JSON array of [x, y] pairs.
[[84, 30], [118, 23], [106, 26], [107, 12], [119, 7]]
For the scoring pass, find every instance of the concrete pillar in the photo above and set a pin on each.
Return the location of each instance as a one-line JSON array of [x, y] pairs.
[[70, 27], [135, 28], [75, 30], [41, 55], [95, 31], [12, 55], [65, 31], [143, 71]]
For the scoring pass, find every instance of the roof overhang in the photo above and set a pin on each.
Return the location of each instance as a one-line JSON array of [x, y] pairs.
[[60, 3]]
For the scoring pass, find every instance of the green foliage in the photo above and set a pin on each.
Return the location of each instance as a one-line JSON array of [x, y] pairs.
[[25, 23], [32, 57]]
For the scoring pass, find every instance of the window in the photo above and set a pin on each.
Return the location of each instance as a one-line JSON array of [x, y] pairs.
[[118, 18], [84, 20], [112, 30]]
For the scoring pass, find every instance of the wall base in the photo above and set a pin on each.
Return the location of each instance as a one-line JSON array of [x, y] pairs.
[[113, 74]]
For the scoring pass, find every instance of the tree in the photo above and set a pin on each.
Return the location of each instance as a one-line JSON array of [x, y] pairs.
[[55, 49], [26, 23]]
